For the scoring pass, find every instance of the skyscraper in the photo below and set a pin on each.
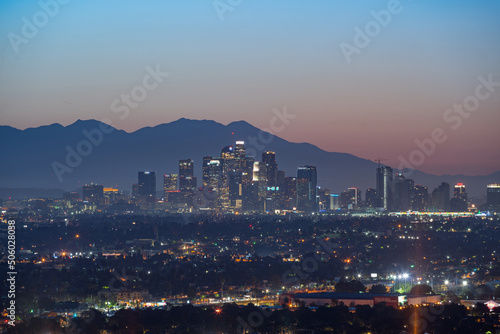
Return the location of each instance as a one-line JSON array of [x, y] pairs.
[[269, 158], [403, 190], [350, 199], [307, 181], [213, 175], [235, 189], [147, 186], [205, 172], [187, 180], [228, 164], [93, 193], [186, 168], [290, 192], [239, 149], [260, 181], [420, 198], [385, 187], [371, 198], [335, 202], [493, 196], [441, 197], [459, 201], [169, 183]]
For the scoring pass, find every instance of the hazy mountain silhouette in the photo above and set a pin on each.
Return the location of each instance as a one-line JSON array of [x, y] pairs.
[[29, 155]]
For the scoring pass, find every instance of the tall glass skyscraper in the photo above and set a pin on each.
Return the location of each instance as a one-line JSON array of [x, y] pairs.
[[385, 187], [269, 158], [307, 181], [147, 186]]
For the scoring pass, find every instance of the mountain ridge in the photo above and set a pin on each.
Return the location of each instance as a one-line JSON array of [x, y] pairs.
[[116, 160]]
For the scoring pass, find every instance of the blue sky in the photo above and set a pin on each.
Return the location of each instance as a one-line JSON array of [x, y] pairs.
[[265, 55]]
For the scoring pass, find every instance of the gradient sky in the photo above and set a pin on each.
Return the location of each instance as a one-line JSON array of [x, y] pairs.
[[267, 54]]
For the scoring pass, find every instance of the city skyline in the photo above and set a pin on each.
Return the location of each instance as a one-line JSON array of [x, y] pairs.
[[400, 85], [235, 182], [250, 166]]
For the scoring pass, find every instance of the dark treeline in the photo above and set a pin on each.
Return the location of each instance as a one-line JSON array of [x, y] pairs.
[[230, 318]]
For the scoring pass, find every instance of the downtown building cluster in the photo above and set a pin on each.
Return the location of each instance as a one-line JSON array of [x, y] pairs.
[[395, 192], [234, 182]]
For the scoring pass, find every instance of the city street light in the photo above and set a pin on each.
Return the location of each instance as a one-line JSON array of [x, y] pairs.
[[405, 276]]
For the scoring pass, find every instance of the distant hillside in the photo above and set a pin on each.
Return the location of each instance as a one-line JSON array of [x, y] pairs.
[[117, 159]]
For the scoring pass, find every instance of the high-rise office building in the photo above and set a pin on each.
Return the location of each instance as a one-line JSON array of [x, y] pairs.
[[290, 192], [93, 193], [186, 168], [280, 179], [385, 187], [350, 199], [235, 189], [169, 183], [240, 162], [323, 198], [307, 181], [204, 170], [260, 181], [147, 186], [335, 202], [420, 198], [239, 150], [214, 174], [441, 197], [233, 159], [459, 191], [493, 196], [260, 172], [269, 158], [403, 191], [371, 198], [72, 196], [280, 186], [459, 201], [187, 180], [228, 164], [188, 183]]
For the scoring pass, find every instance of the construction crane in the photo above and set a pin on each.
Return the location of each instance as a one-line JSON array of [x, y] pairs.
[[378, 160]]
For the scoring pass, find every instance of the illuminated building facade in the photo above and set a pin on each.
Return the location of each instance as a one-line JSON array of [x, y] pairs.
[[385, 187], [459, 201], [93, 193]]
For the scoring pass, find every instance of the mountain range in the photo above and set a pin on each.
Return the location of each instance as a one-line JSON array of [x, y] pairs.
[[39, 158]]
